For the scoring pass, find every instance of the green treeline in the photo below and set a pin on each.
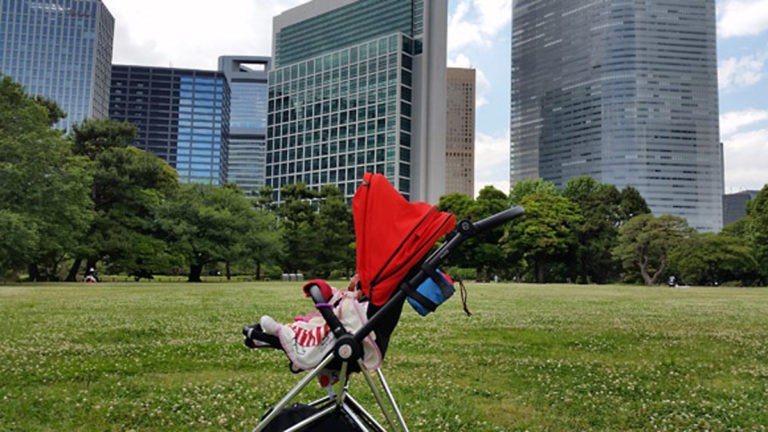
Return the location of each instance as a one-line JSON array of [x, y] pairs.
[[89, 200], [591, 232]]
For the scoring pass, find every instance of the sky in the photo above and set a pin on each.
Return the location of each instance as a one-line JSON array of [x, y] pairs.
[[192, 34]]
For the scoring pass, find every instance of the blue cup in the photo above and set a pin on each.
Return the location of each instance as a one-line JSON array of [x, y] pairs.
[[432, 291]]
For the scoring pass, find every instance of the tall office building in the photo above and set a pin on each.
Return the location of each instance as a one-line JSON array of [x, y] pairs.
[[247, 78], [356, 86], [182, 116], [460, 134], [623, 91], [62, 50], [735, 205]]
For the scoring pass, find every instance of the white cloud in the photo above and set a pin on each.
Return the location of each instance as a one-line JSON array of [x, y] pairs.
[[734, 121], [492, 161], [742, 18], [482, 84], [191, 33], [746, 160], [483, 88], [460, 61], [477, 22], [744, 71]]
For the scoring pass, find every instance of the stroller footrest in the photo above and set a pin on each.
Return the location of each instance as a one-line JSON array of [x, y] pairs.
[[256, 338]]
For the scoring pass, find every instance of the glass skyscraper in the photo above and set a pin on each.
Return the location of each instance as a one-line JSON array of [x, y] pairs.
[[247, 78], [359, 86], [182, 116], [623, 91], [60, 49]]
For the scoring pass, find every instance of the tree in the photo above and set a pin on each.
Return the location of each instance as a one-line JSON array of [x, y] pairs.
[[93, 137], [43, 184], [480, 252], [55, 113], [263, 245], [206, 224], [483, 250], [739, 229], [757, 213], [710, 259], [18, 241], [297, 218], [544, 234], [599, 207], [530, 186], [263, 199], [128, 186], [337, 233], [456, 203], [459, 205], [632, 204], [645, 242]]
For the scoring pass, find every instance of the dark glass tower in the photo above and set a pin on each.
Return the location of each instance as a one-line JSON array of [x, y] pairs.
[[359, 86], [182, 116], [624, 91], [60, 49], [247, 78]]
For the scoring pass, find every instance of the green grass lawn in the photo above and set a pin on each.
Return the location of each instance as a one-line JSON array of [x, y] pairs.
[[114, 357]]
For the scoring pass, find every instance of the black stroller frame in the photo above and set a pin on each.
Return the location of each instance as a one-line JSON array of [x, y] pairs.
[[348, 350]]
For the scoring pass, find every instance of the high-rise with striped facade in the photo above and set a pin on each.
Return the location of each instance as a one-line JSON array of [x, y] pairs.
[[624, 91]]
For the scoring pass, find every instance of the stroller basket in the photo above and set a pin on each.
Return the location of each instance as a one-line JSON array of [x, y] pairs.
[[391, 270]]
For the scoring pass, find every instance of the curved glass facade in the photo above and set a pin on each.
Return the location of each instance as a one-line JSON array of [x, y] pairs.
[[624, 91]]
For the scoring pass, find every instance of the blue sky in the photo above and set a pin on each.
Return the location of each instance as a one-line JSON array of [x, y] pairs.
[[189, 33]]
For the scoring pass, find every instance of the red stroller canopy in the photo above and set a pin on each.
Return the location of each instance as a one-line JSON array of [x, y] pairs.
[[392, 234]]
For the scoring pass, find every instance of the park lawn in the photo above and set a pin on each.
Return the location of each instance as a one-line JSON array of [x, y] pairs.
[[169, 356]]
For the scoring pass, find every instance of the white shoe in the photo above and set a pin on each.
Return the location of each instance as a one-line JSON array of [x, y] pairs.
[[269, 325]]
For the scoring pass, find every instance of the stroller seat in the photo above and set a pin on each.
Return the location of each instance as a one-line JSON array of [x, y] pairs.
[[308, 337], [393, 238]]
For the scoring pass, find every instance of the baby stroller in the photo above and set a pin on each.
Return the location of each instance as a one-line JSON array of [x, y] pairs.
[[393, 237]]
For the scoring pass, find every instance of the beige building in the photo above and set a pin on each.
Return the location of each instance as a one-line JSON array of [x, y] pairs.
[[460, 133]]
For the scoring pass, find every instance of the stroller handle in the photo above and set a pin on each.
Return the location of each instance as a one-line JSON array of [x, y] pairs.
[[326, 310], [499, 218]]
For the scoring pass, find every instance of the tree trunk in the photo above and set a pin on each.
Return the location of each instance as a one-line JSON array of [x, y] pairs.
[[14, 276], [72, 275], [540, 271], [258, 271], [644, 271], [194, 273], [583, 278], [229, 274], [660, 271], [34, 272]]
